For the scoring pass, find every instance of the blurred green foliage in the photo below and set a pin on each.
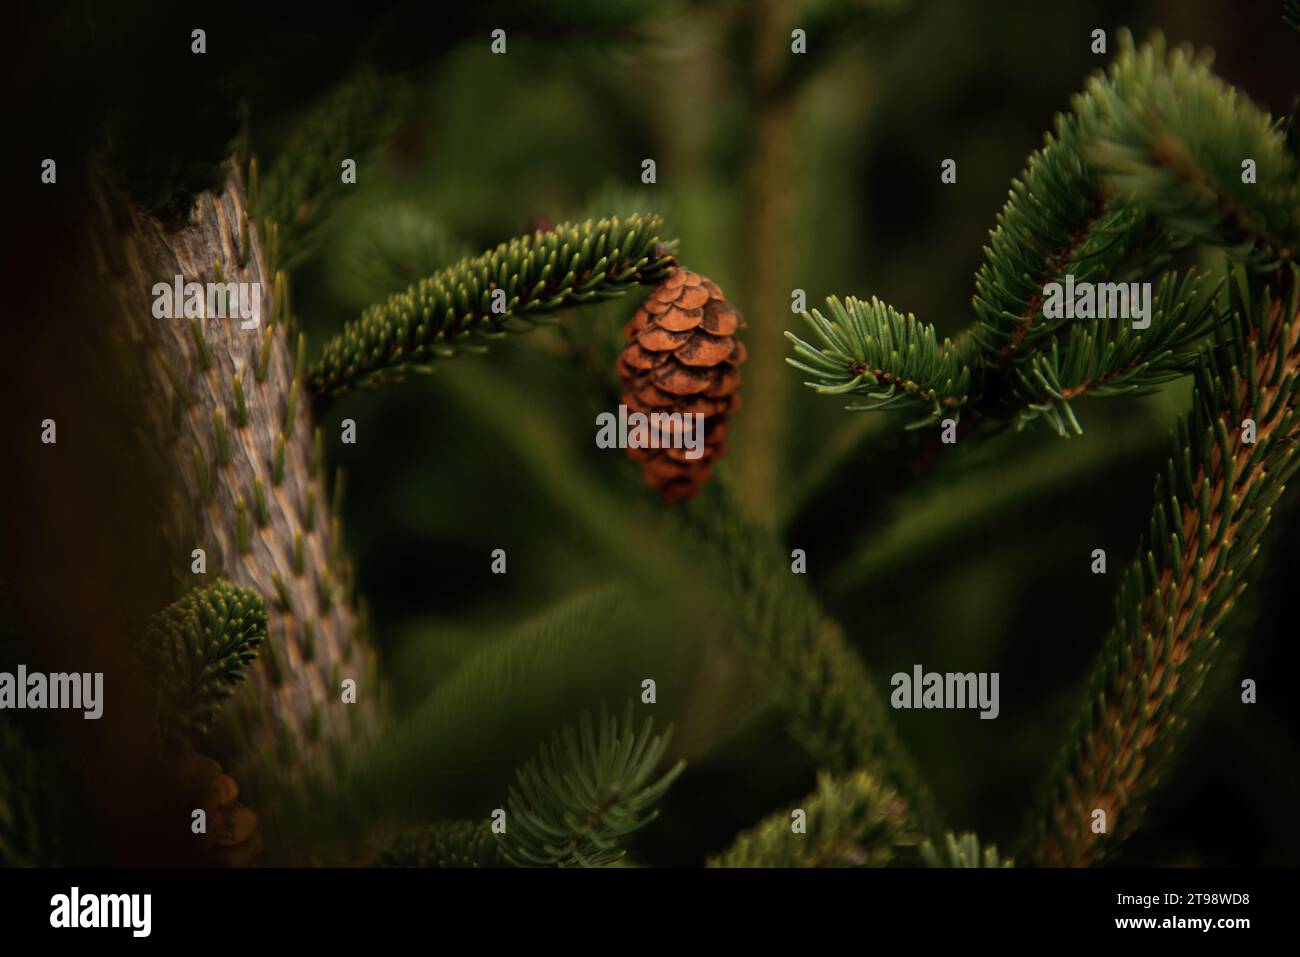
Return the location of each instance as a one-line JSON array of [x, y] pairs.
[[975, 566]]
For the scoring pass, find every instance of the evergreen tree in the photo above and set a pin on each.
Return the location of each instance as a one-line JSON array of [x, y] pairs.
[[1159, 175]]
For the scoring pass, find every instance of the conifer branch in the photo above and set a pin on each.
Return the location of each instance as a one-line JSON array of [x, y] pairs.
[[830, 699], [1148, 160], [445, 844], [584, 793], [1174, 139], [1060, 219], [870, 349], [353, 121], [1055, 197], [1109, 357], [1212, 506], [199, 647], [457, 308], [964, 851], [850, 821]]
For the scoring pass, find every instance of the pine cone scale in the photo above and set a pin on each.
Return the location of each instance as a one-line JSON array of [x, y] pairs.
[[232, 838], [681, 357]]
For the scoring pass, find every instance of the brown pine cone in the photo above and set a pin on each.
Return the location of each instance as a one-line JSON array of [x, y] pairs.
[[232, 838], [681, 356]]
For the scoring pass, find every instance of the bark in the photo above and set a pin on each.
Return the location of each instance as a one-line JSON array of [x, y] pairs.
[[291, 703]]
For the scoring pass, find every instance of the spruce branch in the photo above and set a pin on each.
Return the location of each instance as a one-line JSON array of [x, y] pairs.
[[830, 699], [353, 121], [1148, 160], [585, 792], [963, 851], [453, 309], [868, 348], [1110, 357], [1212, 506], [850, 821], [445, 844], [199, 646], [1060, 219], [1174, 140]]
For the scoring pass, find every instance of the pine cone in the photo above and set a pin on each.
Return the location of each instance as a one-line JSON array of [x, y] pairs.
[[681, 356], [232, 838]]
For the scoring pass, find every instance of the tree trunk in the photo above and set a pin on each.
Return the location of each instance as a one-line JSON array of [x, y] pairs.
[[263, 523]]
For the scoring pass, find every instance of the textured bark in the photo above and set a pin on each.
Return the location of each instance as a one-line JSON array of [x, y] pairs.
[[292, 700]]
